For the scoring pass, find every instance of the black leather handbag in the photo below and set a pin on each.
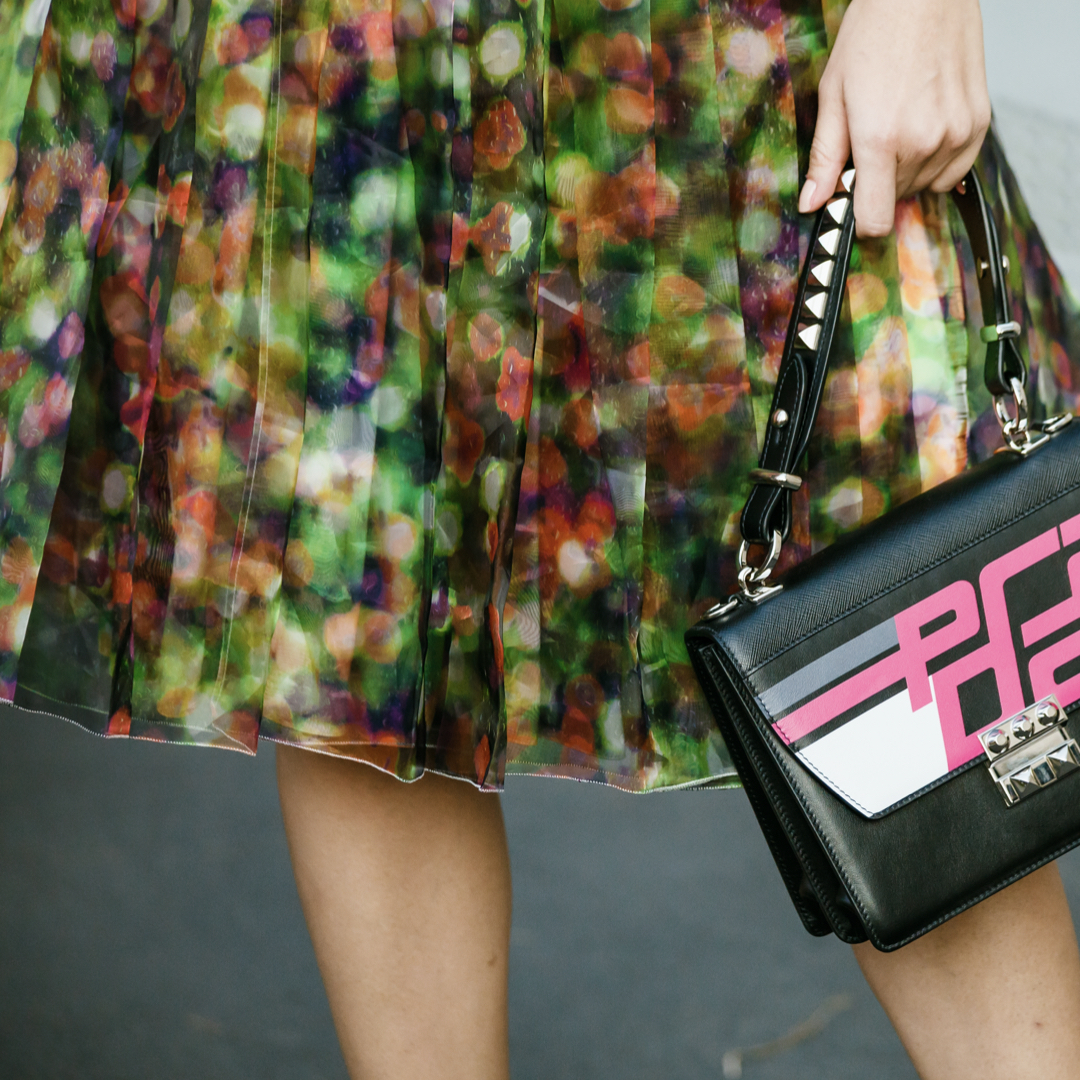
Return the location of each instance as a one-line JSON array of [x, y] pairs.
[[902, 708]]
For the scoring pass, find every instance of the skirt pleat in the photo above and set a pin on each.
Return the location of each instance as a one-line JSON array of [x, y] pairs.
[[383, 378]]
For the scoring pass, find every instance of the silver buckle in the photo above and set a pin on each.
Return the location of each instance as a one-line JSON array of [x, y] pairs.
[[1030, 751], [787, 481], [999, 332]]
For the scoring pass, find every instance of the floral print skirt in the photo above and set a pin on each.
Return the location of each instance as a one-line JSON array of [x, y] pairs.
[[382, 377]]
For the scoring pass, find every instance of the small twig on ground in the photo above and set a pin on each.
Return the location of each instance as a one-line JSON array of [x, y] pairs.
[[733, 1060]]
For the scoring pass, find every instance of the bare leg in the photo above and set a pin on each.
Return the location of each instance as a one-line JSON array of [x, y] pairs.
[[994, 993], [406, 891]]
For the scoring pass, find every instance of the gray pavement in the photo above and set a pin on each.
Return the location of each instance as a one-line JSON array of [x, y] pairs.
[[149, 927], [149, 930]]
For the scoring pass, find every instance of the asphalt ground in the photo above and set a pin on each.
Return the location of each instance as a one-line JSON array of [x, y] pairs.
[[149, 926], [149, 930]]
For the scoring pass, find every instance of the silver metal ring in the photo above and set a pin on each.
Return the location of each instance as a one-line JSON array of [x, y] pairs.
[[1013, 428], [755, 575], [752, 579]]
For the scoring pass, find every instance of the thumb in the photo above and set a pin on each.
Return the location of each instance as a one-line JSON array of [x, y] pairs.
[[829, 152]]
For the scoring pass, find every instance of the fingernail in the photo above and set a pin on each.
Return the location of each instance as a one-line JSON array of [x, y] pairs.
[[807, 195]]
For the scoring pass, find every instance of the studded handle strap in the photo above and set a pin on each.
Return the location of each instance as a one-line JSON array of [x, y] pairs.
[[766, 518], [801, 379]]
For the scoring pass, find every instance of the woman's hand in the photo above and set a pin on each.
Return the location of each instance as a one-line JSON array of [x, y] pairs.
[[904, 94]]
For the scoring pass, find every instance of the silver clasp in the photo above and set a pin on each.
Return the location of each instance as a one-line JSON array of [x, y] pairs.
[[753, 586], [1030, 751], [752, 579], [1016, 430], [1021, 436]]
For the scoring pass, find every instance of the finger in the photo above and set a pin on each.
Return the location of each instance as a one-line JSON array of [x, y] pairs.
[[961, 161], [875, 189], [956, 169], [829, 152], [941, 172], [957, 152]]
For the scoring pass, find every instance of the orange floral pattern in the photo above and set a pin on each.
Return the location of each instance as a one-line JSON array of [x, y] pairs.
[[384, 378], [500, 134]]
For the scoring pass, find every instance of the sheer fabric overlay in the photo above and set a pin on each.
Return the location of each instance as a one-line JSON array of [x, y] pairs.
[[383, 377]]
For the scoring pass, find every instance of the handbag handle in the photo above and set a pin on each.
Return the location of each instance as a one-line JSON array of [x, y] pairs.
[[766, 517]]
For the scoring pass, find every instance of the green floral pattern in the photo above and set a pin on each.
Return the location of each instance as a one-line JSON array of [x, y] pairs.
[[383, 376]]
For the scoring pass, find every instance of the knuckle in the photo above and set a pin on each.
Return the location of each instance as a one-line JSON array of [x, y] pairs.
[[878, 142], [928, 140], [873, 218], [958, 133]]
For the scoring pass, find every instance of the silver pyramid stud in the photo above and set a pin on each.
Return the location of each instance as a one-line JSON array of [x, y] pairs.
[[816, 304], [837, 209], [1062, 759], [847, 181], [1021, 781], [1043, 772], [830, 241], [821, 274], [810, 335]]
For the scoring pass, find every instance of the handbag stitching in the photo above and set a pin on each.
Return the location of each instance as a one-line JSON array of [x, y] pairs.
[[830, 321], [1069, 710], [900, 584], [839, 788], [801, 391], [1014, 877], [778, 724]]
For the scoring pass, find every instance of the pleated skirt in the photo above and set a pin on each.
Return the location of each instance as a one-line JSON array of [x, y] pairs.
[[382, 376]]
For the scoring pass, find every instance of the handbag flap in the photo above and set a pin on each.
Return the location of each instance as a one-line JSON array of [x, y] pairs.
[[887, 654]]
